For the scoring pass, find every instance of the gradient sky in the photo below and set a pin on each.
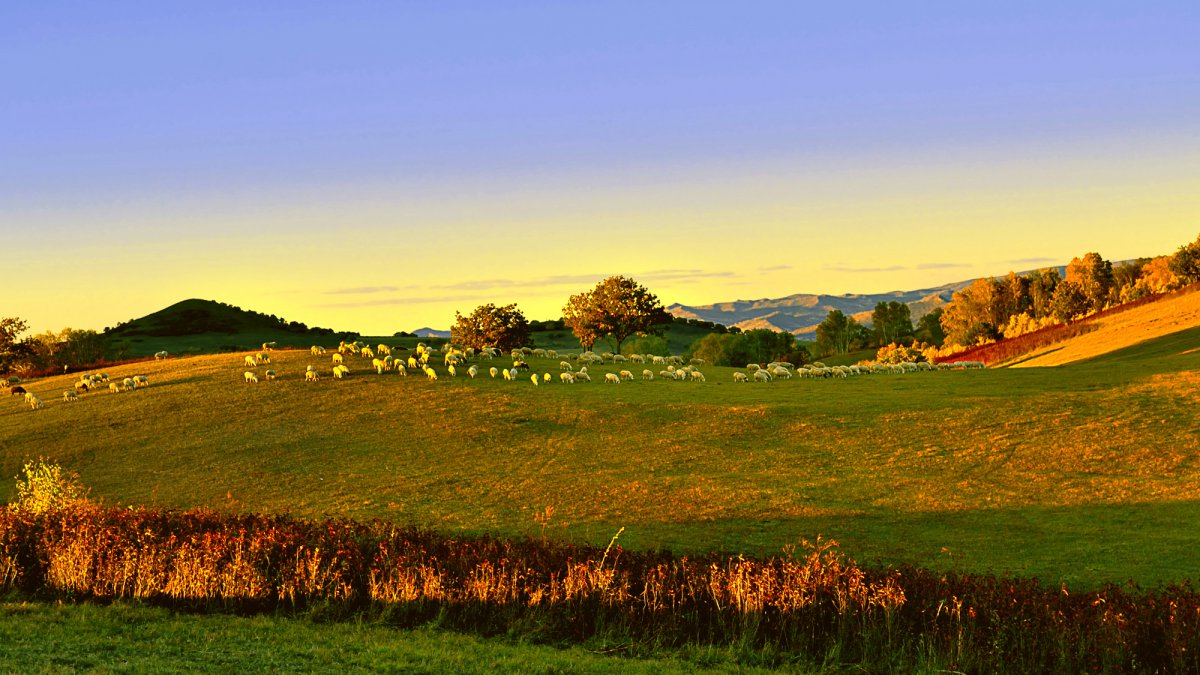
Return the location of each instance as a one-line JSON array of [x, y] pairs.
[[377, 166]]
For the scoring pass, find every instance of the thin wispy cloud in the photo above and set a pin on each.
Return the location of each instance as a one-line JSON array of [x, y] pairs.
[[775, 268], [366, 290], [863, 270], [1030, 261], [940, 266]]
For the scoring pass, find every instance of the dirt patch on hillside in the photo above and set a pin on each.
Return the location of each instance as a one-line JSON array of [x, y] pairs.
[[1122, 330]]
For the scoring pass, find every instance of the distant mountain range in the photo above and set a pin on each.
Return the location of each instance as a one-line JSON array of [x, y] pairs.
[[428, 332], [800, 313]]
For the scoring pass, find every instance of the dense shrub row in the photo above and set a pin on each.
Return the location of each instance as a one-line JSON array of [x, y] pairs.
[[810, 605]]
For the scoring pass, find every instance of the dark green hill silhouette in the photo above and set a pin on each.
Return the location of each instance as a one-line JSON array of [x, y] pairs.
[[195, 317]]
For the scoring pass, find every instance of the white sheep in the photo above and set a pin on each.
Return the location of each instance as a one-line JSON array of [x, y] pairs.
[[378, 365], [565, 366], [249, 361], [338, 358], [128, 383], [508, 374], [262, 358], [311, 376], [450, 369], [666, 374], [316, 350], [647, 374], [431, 373], [582, 375], [340, 371], [762, 376], [114, 387], [659, 360], [697, 375], [158, 356], [366, 353], [696, 362], [383, 350], [612, 377], [739, 376], [268, 346], [473, 371], [567, 378], [34, 402], [412, 362], [752, 367], [70, 395], [143, 381], [546, 378], [83, 385], [271, 375], [535, 379], [493, 371], [780, 371], [619, 358], [250, 377], [626, 375]]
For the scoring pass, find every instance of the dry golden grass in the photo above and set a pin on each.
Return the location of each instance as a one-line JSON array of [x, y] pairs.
[[1121, 330]]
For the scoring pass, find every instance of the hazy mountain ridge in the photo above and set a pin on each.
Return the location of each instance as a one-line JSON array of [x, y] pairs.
[[801, 312]]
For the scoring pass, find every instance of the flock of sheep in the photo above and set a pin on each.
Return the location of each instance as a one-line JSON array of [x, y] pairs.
[[468, 362]]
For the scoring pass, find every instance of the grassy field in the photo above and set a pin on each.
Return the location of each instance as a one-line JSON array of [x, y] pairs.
[[38, 637], [1082, 474]]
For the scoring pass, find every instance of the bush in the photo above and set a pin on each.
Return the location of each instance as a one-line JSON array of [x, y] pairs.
[[47, 487]]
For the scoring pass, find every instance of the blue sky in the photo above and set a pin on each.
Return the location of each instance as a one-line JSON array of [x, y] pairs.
[[443, 155]]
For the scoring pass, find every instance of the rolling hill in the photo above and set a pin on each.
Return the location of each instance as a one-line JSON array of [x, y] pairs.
[[800, 313]]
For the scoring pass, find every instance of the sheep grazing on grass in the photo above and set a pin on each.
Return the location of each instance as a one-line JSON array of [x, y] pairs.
[[271, 375], [340, 372], [546, 378], [647, 374], [612, 377], [563, 365], [316, 350], [250, 377], [567, 378], [114, 387], [268, 346], [625, 375], [70, 395], [383, 350], [366, 353], [666, 374], [338, 358], [430, 373], [752, 367], [249, 361], [34, 402], [83, 385], [697, 376], [780, 371], [582, 375], [762, 376], [619, 358], [143, 381], [493, 371], [450, 369], [739, 377], [658, 360], [535, 379], [311, 376], [508, 374], [412, 362], [378, 365], [637, 358], [158, 356], [473, 371], [696, 362], [128, 383]]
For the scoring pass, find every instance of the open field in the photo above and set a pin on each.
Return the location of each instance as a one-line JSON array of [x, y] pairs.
[[1080, 474], [65, 638]]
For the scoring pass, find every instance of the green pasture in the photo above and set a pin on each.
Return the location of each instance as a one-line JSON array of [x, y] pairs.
[[127, 637], [1080, 474]]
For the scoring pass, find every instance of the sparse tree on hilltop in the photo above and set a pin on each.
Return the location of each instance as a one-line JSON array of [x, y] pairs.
[[618, 307], [1094, 276], [10, 328], [490, 326], [837, 333], [891, 322]]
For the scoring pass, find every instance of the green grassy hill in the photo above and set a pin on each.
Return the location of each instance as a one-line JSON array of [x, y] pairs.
[[1085, 473], [205, 326]]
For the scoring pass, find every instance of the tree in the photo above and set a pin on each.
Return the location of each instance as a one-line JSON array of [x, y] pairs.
[[617, 307], [837, 333], [1156, 277], [1041, 291], [1186, 262], [891, 322], [970, 316], [10, 328], [1070, 301], [1094, 276], [929, 328], [490, 326]]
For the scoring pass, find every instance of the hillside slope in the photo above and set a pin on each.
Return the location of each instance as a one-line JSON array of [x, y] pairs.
[[1121, 330]]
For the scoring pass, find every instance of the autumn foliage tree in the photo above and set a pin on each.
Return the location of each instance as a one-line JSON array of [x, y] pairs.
[[490, 326], [617, 307], [1185, 264]]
